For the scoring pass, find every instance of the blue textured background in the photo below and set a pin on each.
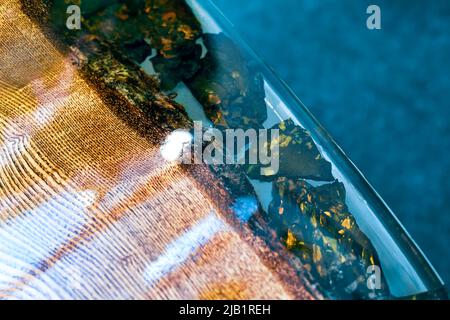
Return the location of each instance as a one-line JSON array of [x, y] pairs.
[[383, 95]]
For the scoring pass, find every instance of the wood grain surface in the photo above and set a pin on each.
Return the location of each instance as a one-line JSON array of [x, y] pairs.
[[89, 209]]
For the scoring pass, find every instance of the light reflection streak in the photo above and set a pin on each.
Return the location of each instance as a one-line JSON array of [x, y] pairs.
[[26, 241], [19, 130], [177, 252]]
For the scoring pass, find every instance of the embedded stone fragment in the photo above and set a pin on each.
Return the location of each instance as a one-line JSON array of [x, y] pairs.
[[231, 93], [137, 27], [315, 224], [298, 156]]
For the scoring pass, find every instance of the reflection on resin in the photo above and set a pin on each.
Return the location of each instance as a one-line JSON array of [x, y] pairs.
[[180, 249], [196, 74]]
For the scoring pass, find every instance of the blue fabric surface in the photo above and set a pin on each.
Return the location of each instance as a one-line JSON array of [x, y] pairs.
[[384, 95]]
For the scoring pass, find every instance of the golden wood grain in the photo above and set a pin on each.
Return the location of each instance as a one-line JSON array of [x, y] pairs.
[[88, 208]]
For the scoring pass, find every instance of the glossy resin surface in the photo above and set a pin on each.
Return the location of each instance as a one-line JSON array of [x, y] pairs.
[[87, 118]]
